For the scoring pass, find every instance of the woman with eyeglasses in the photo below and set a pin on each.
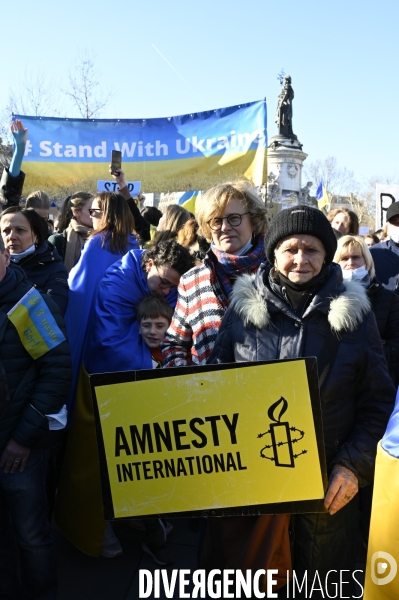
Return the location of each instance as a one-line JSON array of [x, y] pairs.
[[233, 218], [115, 343], [111, 238]]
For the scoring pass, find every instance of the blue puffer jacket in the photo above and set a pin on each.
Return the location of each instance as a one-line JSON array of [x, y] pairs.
[[46, 270], [358, 396], [29, 389]]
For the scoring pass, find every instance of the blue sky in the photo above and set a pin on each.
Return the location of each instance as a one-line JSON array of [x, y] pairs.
[[342, 57]]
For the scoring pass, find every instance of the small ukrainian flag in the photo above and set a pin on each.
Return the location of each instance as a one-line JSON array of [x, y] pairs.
[[36, 326], [322, 195]]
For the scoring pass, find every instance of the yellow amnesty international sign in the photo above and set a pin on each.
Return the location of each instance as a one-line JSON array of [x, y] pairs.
[[228, 439]]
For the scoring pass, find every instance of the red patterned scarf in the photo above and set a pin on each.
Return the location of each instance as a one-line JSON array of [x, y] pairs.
[[230, 266]]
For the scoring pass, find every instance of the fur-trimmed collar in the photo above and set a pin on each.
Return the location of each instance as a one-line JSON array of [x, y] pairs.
[[346, 310]]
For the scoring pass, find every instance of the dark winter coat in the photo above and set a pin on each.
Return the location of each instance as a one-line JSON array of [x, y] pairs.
[[29, 389], [386, 262], [46, 270], [385, 306], [358, 395], [11, 188]]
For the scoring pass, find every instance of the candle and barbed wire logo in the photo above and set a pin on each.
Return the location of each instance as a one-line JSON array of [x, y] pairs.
[[281, 437]]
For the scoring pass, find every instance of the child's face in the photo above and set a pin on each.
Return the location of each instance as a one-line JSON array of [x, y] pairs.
[[153, 331]]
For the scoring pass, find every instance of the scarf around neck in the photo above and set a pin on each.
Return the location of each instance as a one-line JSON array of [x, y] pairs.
[[15, 258], [230, 266], [76, 236]]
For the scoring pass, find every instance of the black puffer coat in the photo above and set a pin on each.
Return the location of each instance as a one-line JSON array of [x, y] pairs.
[[358, 395], [46, 270], [385, 306], [29, 389]]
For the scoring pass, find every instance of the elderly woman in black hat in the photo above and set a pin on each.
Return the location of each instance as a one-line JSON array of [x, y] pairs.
[[297, 306]]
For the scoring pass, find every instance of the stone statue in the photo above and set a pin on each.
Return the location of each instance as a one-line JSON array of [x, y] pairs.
[[273, 188], [304, 194], [284, 109]]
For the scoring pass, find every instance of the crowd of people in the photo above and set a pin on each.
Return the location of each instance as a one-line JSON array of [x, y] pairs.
[[126, 289]]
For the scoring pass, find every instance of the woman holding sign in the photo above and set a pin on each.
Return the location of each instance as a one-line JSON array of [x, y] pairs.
[[232, 217], [299, 306]]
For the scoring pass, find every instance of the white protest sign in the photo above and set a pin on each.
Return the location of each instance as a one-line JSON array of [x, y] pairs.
[[385, 196], [104, 185]]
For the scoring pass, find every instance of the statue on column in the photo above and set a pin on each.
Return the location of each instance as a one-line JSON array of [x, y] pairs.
[[273, 188], [284, 109]]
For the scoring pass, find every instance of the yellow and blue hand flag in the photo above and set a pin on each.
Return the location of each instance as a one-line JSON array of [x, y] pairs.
[[36, 326]]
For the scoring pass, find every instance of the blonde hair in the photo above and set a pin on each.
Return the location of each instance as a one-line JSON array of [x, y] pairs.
[[347, 242], [175, 217], [187, 235], [214, 201], [333, 213]]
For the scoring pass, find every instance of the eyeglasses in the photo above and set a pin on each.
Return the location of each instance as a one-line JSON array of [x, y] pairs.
[[164, 283], [233, 220], [94, 210]]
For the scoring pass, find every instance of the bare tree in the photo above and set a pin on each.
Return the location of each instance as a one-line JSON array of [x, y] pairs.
[[84, 89], [337, 181], [5, 154], [33, 95]]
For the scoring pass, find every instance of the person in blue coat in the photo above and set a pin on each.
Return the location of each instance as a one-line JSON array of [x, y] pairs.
[[115, 343], [111, 238]]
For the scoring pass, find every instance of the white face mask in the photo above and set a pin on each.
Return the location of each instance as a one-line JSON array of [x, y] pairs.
[[356, 274], [394, 234]]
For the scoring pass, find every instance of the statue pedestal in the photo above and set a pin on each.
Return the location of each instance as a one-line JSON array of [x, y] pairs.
[[285, 160]]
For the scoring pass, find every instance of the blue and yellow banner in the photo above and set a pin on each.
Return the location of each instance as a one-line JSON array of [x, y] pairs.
[[192, 151], [36, 326]]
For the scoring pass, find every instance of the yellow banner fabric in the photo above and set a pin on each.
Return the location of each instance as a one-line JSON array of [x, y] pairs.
[[382, 581]]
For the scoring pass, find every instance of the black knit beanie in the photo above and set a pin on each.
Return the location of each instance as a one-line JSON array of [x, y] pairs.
[[300, 219]]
